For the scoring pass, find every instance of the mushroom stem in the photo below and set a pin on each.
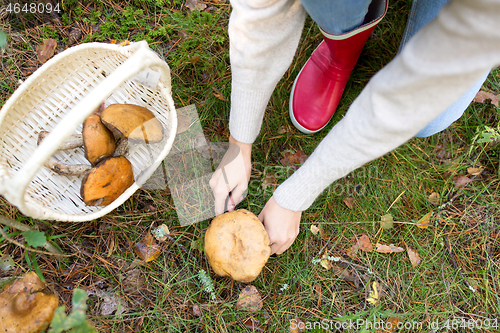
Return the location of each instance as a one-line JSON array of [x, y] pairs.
[[121, 148], [74, 141], [65, 169]]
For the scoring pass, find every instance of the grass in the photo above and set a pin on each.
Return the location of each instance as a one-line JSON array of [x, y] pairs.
[[459, 251]]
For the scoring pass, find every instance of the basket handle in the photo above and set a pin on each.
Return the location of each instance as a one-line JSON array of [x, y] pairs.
[[142, 58]]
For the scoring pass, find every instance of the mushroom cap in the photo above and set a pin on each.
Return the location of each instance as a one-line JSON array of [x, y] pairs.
[[107, 181], [237, 245], [98, 140], [23, 308], [132, 122]]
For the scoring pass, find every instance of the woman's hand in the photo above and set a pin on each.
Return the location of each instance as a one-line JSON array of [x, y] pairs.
[[232, 175], [282, 225]]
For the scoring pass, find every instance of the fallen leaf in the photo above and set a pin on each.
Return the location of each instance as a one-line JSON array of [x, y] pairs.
[[474, 171], [125, 42], [345, 274], [282, 130], [365, 244], [197, 311], [219, 95], [391, 248], [109, 302], [413, 255], [195, 5], [249, 299], [349, 202], [161, 232], [442, 152], [387, 221], [294, 160], [391, 324], [375, 293], [460, 181], [253, 324], [425, 221], [482, 96], [314, 229], [269, 180], [434, 198], [352, 251], [46, 50], [147, 249], [325, 263], [297, 325]]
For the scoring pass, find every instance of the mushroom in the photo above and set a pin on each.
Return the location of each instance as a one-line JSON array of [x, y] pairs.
[[132, 122], [237, 245], [98, 140], [107, 181], [24, 308]]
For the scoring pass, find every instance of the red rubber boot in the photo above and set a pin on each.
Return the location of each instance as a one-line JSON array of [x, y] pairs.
[[317, 89]]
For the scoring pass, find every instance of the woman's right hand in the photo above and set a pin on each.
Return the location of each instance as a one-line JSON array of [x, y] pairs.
[[232, 175]]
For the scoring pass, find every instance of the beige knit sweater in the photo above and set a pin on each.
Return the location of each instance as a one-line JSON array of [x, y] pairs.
[[435, 68]]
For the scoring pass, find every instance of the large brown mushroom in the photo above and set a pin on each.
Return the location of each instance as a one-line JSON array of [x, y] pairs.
[[24, 308], [98, 140], [237, 245], [107, 181], [132, 122]]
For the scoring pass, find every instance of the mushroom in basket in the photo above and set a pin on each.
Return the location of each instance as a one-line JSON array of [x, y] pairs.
[[110, 173]]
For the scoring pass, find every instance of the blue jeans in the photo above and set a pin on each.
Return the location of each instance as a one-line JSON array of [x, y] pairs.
[[341, 16]]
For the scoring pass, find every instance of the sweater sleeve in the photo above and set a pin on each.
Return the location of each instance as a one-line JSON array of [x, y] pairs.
[[263, 35], [440, 63]]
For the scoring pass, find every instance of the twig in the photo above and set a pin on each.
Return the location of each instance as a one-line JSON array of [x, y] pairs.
[[448, 246]]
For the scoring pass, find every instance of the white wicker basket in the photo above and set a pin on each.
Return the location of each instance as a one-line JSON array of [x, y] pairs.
[[57, 98]]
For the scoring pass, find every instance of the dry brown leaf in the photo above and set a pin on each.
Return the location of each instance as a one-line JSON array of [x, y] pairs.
[[474, 171], [147, 249], [349, 201], [249, 299], [391, 248], [413, 255], [253, 324], [197, 311], [109, 302], [219, 95], [294, 160], [391, 324], [352, 251], [345, 274], [425, 221], [160, 233], [460, 181], [442, 153], [325, 263], [314, 229], [269, 180], [297, 325], [434, 198], [46, 50], [364, 243], [195, 5], [482, 96]]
